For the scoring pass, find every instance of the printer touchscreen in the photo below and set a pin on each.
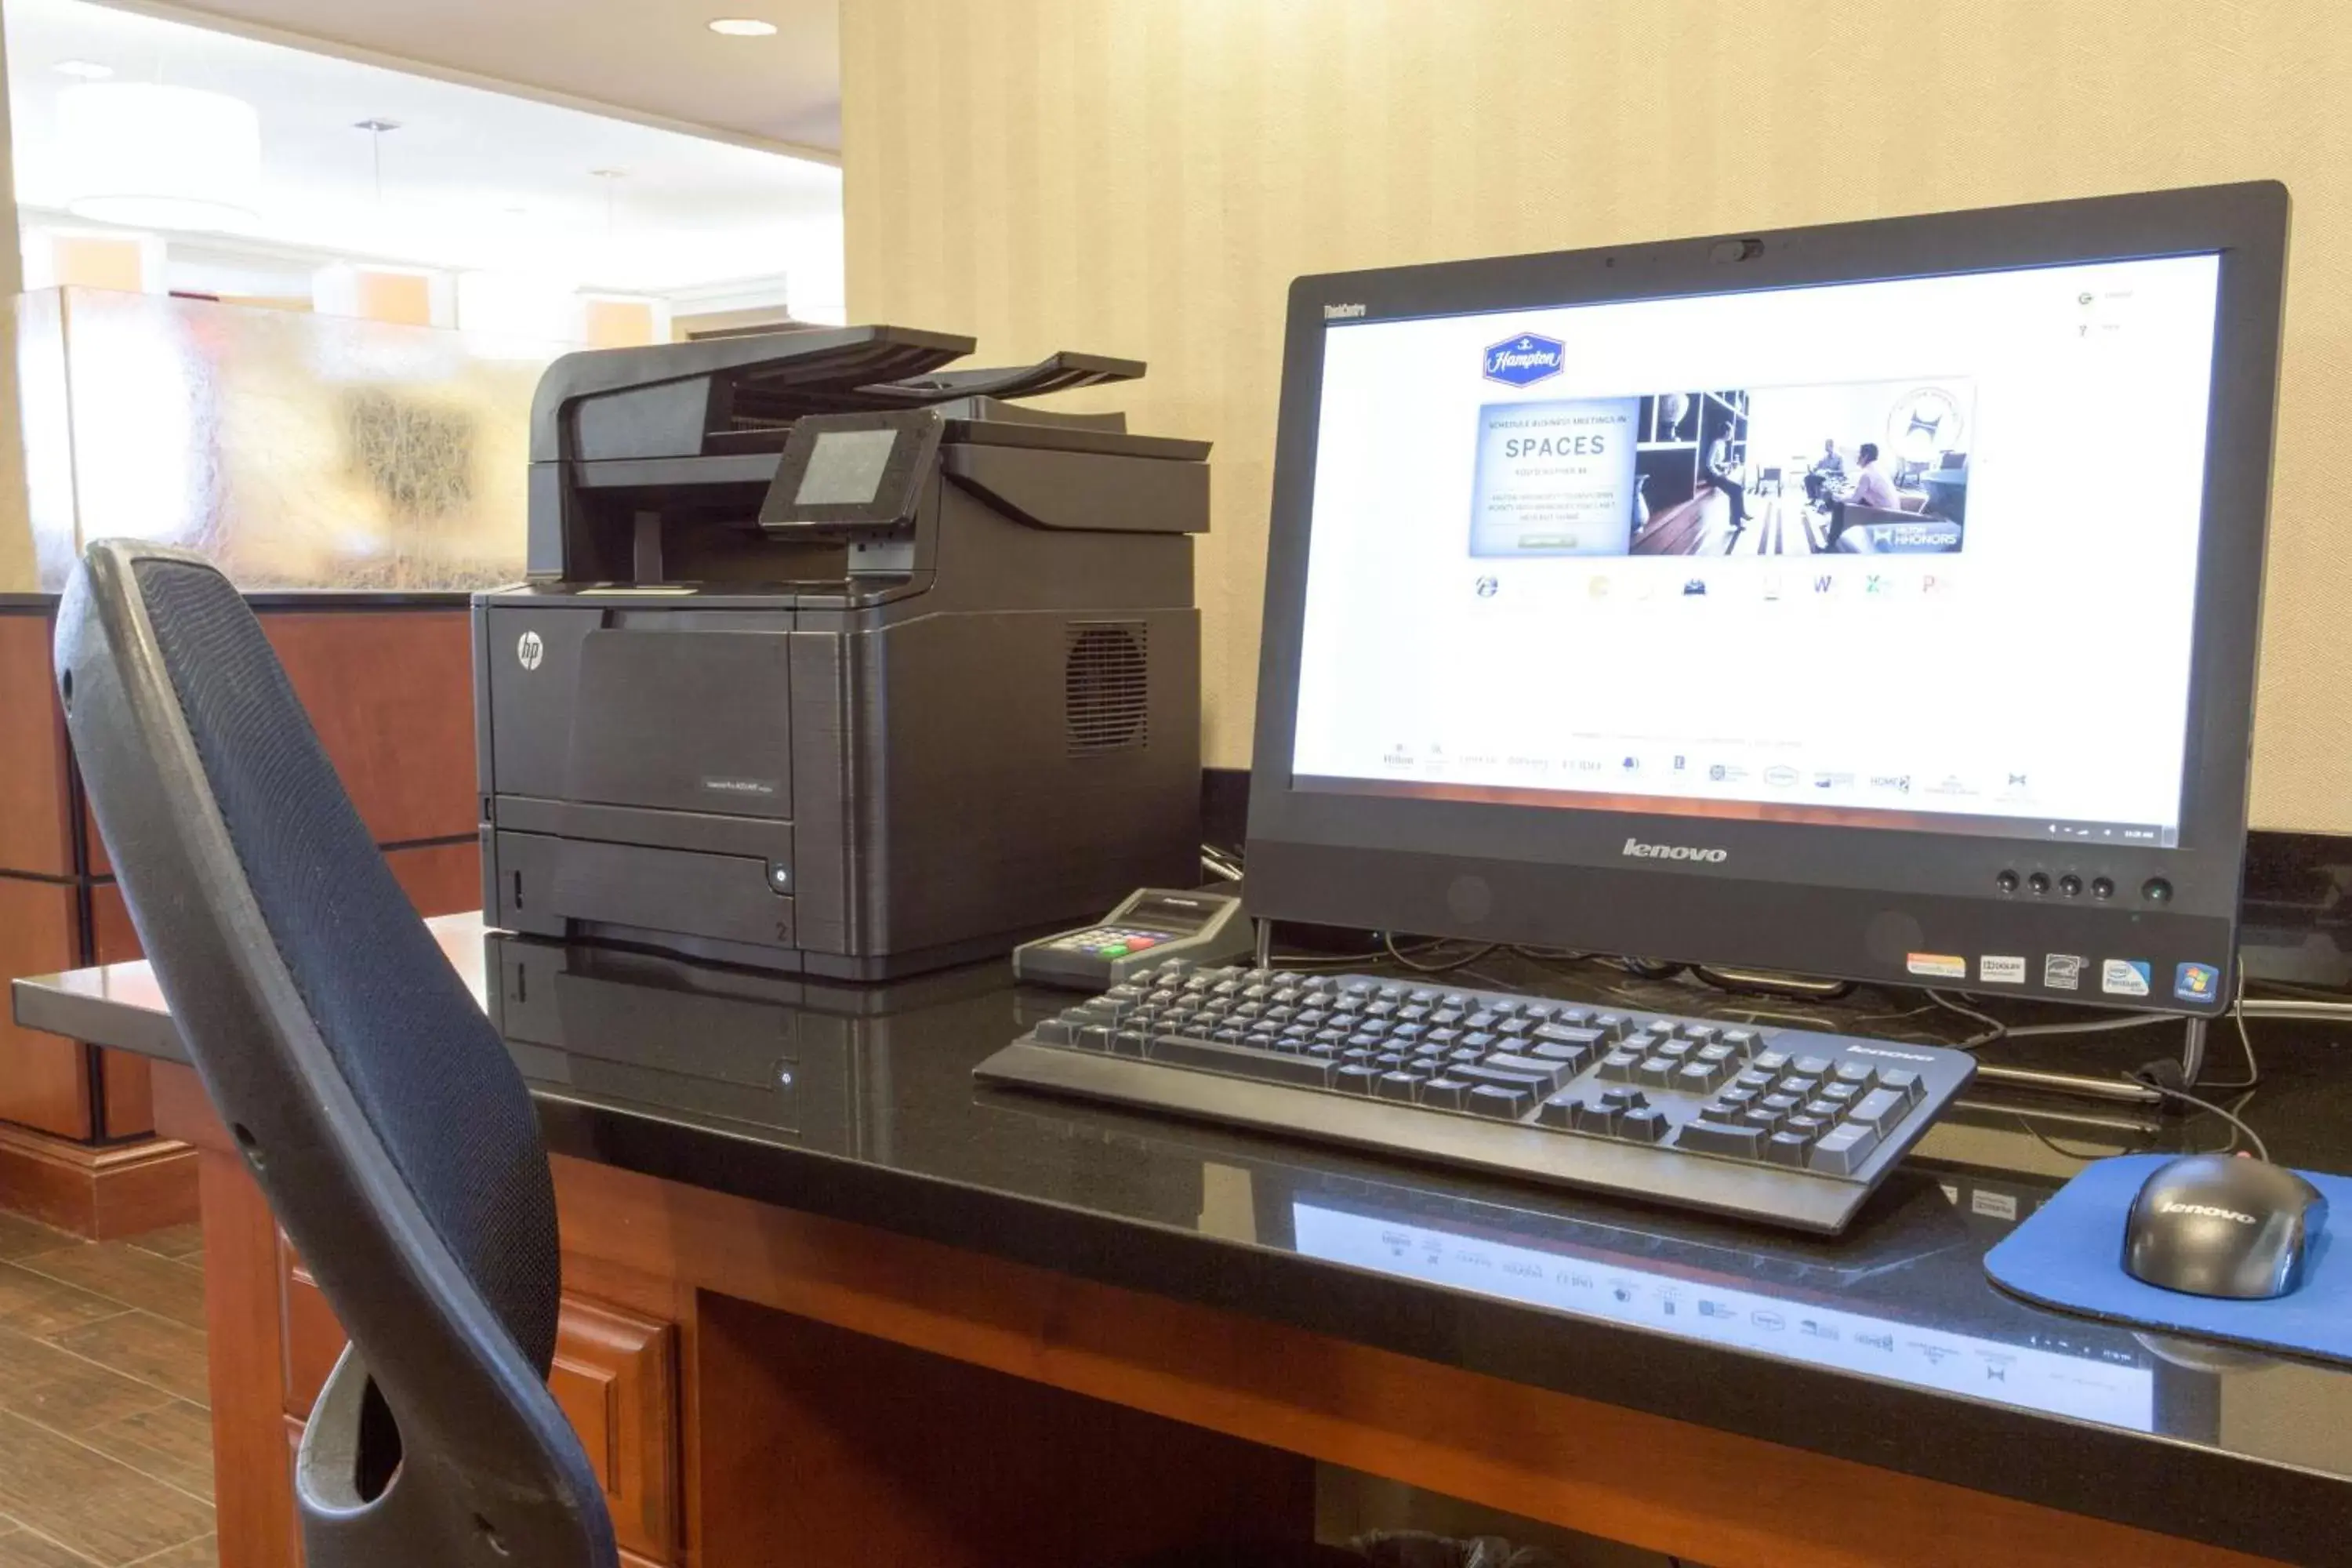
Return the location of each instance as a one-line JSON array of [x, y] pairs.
[[845, 467], [862, 471]]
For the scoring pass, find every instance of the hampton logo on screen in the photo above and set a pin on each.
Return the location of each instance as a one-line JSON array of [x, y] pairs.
[[1525, 360]]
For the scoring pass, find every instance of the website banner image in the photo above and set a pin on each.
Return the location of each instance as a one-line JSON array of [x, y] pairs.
[[1875, 468]]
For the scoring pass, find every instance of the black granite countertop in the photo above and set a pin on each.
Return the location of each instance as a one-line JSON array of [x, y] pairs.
[[1886, 1345]]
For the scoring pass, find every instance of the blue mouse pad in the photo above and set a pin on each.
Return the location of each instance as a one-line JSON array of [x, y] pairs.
[[2070, 1254]]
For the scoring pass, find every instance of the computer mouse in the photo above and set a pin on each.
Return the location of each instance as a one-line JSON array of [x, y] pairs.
[[2214, 1225]]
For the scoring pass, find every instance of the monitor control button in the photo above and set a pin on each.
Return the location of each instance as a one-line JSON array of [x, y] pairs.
[[2071, 885], [2103, 887], [2006, 881], [2156, 890], [2039, 881]]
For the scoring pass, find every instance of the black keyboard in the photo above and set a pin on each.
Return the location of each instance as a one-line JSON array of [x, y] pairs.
[[1785, 1126]]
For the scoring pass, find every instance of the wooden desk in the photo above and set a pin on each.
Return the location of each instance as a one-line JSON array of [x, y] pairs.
[[870, 1372]]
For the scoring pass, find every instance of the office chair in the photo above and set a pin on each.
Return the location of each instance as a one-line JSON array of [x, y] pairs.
[[375, 1105]]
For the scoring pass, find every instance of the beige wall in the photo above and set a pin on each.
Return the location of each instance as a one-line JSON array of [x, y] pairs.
[[1144, 177]]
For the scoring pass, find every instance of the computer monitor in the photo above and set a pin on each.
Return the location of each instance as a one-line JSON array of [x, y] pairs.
[[1962, 698]]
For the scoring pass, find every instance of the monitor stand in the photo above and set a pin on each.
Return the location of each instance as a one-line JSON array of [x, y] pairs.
[[2192, 1062]]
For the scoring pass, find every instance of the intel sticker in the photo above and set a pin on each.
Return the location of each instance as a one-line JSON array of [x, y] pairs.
[[2124, 977], [2196, 982], [1525, 360], [1995, 971]]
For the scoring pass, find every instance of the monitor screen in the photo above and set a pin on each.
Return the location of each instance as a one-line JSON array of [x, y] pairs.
[[1914, 553]]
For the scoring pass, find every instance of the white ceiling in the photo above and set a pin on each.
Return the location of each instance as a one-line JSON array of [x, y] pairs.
[[644, 56], [472, 179]]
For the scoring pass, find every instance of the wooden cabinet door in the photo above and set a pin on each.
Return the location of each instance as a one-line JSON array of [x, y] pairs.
[[616, 1375]]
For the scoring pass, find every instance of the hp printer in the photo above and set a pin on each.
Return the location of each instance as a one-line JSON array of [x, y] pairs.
[[836, 662]]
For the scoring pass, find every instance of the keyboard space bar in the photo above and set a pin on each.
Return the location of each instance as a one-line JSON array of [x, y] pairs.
[[1240, 1061]]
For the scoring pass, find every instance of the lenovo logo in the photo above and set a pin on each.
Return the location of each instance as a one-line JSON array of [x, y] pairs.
[[1638, 850], [2208, 1211]]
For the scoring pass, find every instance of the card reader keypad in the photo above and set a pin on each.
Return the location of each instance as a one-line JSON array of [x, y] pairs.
[[1108, 941]]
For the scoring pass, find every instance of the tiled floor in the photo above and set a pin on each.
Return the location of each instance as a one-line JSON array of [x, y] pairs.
[[105, 1440]]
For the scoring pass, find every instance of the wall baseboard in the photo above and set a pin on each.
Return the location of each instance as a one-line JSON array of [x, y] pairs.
[[100, 1191]]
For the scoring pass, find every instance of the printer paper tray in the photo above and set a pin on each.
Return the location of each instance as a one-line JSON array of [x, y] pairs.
[[544, 883]]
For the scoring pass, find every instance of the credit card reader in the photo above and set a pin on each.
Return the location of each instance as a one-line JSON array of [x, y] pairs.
[[1149, 927]]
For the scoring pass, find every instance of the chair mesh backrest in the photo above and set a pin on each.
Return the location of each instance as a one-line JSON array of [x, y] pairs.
[[425, 1066]]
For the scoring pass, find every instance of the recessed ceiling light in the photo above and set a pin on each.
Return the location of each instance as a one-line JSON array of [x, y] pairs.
[[743, 28], [87, 70]]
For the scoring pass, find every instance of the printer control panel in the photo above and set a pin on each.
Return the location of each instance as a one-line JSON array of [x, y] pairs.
[[852, 473]]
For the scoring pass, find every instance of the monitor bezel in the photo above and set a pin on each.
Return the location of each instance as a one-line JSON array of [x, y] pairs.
[[1847, 901]]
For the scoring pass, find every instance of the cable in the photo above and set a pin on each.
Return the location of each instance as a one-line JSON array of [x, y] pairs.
[[2245, 1043], [2054, 1146], [1309, 961], [2094, 1025], [2000, 1031], [1447, 967], [1994, 1028], [1892, 1017], [2262, 1150]]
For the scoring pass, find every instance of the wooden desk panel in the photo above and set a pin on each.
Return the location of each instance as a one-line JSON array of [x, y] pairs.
[[896, 1456], [36, 816], [391, 693], [43, 1079]]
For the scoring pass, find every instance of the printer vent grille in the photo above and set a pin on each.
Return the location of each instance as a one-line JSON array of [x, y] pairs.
[[1106, 687]]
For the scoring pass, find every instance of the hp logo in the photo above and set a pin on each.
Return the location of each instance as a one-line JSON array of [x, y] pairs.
[[529, 650]]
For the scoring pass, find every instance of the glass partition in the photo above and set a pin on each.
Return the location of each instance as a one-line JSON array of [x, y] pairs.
[[298, 451]]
